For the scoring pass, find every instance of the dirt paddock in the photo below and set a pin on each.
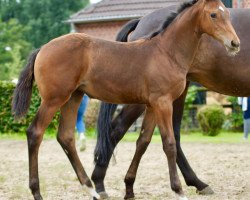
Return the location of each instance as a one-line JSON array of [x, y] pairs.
[[225, 167]]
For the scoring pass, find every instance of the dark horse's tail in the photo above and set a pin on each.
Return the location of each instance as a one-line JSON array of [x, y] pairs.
[[104, 146], [23, 91]]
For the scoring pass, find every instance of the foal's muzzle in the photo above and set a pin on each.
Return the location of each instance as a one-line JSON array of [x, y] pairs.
[[233, 47]]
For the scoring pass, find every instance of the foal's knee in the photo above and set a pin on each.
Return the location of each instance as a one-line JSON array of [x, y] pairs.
[[65, 139]]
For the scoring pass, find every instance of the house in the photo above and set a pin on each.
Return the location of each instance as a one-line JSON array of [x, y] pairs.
[[104, 19]]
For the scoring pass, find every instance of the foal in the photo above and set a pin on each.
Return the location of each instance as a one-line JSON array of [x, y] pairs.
[[151, 72]]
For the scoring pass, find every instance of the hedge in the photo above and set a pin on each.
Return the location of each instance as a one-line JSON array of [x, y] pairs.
[[9, 125], [7, 122]]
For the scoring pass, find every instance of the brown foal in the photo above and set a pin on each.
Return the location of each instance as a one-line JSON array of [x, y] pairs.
[[149, 71]]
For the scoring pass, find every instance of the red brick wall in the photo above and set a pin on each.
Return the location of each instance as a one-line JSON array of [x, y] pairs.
[[241, 3], [104, 30]]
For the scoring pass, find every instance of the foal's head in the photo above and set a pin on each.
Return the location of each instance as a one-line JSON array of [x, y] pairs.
[[215, 21]]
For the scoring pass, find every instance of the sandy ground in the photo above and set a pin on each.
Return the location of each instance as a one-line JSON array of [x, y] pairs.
[[225, 167]]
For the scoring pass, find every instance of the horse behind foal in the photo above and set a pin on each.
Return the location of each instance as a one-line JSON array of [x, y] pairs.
[[151, 71]]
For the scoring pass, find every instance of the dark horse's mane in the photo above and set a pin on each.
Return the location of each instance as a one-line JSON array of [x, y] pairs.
[[172, 16]]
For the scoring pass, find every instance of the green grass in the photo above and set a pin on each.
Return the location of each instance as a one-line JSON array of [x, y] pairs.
[[223, 137], [49, 134]]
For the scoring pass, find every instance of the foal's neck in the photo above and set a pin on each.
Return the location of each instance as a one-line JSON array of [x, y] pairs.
[[180, 40]]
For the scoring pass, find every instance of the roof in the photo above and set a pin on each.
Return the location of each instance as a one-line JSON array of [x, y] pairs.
[[112, 10]]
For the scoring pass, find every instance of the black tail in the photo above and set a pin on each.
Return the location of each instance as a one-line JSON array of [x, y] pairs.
[[23, 91], [104, 147], [122, 36]]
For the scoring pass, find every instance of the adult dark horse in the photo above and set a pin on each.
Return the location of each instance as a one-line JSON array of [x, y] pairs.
[[151, 71], [211, 67]]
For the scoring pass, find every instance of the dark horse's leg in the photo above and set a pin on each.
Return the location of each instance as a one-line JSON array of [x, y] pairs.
[[122, 123], [66, 138], [120, 126], [190, 177], [142, 143]]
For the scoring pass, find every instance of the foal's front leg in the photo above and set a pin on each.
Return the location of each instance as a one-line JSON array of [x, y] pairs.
[[142, 143], [163, 114]]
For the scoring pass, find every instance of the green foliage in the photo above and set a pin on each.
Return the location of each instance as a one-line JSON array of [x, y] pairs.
[[13, 49], [28, 24], [191, 95], [211, 118], [45, 18], [235, 119], [7, 122], [92, 114], [186, 119]]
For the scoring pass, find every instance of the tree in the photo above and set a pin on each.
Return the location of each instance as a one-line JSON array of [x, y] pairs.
[[27, 24], [13, 48], [44, 17]]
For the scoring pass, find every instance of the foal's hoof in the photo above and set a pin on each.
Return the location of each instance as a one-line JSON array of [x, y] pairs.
[[38, 197], [103, 195], [129, 196], [133, 198], [206, 191]]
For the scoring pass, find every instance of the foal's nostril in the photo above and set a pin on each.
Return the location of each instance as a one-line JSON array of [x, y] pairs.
[[235, 44]]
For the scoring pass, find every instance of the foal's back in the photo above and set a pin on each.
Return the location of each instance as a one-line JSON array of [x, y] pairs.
[[98, 67]]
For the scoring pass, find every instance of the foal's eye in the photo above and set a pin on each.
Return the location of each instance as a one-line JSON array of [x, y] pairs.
[[213, 15]]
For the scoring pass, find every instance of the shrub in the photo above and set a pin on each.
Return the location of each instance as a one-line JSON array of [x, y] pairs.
[[92, 113], [211, 118], [7, 122], [235, 119], [186, 123]]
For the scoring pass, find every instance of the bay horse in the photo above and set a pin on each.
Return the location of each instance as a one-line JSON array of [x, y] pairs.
[[149, 71], [211, 67]]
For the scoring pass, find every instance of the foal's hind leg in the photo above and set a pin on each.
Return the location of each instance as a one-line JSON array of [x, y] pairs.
[[142, 143], [66, 138], [34, 136]]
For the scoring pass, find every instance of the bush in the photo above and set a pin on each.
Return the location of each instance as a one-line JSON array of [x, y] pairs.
[[92, 113], [7, 122], [235, 119], [211, 119], [186, 119]]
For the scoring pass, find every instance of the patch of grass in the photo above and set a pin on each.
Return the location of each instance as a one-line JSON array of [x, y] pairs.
[[49, 134], [19, 192], [2, 179], [223, 137], [196, 136]]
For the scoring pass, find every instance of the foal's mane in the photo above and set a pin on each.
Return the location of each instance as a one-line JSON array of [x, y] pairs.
[[172, 16]]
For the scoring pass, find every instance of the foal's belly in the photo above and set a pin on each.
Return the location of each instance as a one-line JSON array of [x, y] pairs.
[[116, 93]]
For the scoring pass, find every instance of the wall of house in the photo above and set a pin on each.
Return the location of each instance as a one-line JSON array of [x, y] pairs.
[[241, 3], [104, 30]]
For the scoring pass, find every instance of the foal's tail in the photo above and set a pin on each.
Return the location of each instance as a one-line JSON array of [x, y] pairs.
[[104, 147], [23, 91]]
